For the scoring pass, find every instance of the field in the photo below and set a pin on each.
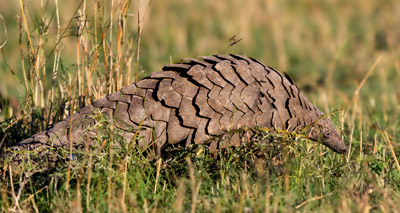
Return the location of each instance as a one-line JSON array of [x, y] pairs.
[[344, 55]]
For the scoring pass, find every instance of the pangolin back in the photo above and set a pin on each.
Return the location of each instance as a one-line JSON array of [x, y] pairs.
[[196, 100]]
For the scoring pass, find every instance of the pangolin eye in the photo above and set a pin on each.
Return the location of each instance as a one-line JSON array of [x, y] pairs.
[[327, 134]]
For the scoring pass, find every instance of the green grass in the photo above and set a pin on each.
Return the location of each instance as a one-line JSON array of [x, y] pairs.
[[342, 54]]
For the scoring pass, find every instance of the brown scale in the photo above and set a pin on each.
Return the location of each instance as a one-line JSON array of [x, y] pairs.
[[194, 101]]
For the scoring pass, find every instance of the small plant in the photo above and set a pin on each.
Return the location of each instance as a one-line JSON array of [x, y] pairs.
[[59, 56]]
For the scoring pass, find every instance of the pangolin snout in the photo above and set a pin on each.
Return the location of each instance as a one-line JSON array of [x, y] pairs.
[[336, 144]]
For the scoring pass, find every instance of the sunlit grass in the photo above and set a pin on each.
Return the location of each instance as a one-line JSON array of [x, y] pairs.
[[343, 54]]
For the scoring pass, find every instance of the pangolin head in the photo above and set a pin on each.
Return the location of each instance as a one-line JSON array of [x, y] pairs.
[[325, 132]]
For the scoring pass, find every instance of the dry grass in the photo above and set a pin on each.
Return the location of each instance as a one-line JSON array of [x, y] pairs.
[[60, 56]]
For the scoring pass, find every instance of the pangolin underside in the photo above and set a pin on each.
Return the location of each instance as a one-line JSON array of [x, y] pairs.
[[194, 101]]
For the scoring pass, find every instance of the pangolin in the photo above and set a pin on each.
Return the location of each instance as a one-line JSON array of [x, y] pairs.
[[194, 101]]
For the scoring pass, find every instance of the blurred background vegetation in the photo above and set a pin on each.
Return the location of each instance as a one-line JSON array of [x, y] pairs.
[[57, 56], [325, 44], [89, 50]]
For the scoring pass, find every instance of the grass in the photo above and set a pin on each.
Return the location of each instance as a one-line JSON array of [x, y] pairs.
[[342, 54]]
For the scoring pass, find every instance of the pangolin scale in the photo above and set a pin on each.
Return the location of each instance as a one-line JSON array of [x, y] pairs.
[[194, 101]]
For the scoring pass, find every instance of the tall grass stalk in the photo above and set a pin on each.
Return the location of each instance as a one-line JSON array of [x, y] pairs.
[[61, 56]]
